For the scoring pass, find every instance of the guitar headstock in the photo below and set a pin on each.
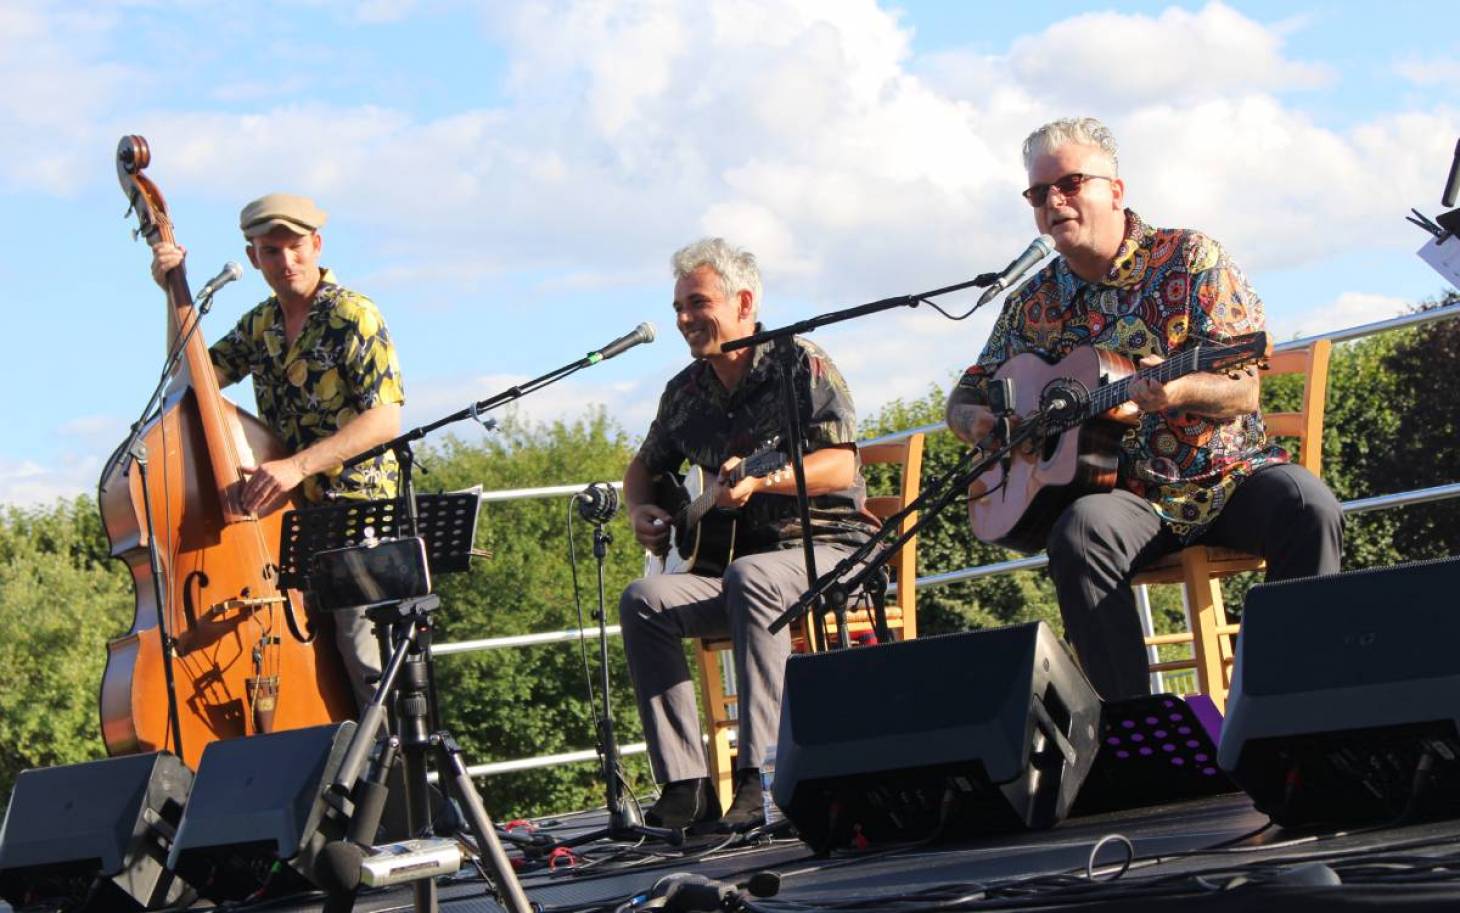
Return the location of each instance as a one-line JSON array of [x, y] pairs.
[[1237, 357], [765, 460]]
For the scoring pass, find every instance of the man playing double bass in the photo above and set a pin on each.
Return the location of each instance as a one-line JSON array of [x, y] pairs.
[[326, 378], [1198, 468]]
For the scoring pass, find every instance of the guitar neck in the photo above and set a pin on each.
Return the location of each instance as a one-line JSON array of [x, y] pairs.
[[1103, 399], [695, 511]]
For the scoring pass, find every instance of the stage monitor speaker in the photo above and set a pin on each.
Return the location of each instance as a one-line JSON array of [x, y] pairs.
[[94, 836], [257, 801], [1346, 694], [938, 737], [1153, 750]]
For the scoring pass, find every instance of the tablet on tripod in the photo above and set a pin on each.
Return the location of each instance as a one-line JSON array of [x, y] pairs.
[[386, 570]]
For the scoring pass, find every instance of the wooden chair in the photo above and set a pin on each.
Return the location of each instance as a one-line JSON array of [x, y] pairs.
[[1199, 569], [713, 657]]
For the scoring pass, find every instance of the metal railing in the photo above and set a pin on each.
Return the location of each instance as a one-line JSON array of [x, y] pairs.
[[1033, 562]]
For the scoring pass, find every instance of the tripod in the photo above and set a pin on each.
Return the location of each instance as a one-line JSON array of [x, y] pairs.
[[597, 505], [404, 627]]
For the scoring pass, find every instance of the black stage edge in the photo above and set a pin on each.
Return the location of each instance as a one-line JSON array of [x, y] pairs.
[[1415, 867]]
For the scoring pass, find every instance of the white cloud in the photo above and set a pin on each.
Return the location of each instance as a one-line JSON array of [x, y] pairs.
[[1351, 309], [1430, 72], [1178, 56], [807, 131], [27, 483]]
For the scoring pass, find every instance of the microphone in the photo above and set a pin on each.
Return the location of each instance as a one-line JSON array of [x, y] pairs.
[[1042, 247], [1452, 183], [644, 332], [231, 271], [597, 503]]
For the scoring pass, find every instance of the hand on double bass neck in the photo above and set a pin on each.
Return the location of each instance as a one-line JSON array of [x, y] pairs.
[[166, 258]]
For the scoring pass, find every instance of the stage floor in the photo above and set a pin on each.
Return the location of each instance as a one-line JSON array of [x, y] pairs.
[[1193, 853]]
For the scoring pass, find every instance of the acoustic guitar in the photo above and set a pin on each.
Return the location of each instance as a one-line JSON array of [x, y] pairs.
[[1070, 431], [704, 539]]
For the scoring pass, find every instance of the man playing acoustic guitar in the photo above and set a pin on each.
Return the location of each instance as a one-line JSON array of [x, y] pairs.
[[1197, 468], [713, 414]]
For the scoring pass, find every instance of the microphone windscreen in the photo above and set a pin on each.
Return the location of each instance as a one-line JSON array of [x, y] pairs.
[[337, 868]]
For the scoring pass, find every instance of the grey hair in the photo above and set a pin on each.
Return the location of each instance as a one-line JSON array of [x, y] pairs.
[[1083, 131], [735, 266]]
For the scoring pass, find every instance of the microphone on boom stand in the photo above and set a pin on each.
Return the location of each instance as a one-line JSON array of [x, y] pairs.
[[1040, 248], [597, 503]]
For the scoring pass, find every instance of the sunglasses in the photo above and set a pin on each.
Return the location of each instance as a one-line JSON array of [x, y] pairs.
[[1068, 186]]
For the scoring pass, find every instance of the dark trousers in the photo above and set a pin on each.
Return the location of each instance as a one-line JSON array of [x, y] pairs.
[[1282, 513]]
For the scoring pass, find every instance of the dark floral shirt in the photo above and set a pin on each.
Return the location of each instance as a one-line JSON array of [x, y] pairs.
[[701, 422], [341, 364], [1166, 289]]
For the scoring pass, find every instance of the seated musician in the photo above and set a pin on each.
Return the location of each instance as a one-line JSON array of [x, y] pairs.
[[326, 378], [712, 414], [1198, 467]]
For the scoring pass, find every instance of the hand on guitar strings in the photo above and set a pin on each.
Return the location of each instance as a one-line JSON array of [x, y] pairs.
[[736, 495], [1149, 394], [651, 526]]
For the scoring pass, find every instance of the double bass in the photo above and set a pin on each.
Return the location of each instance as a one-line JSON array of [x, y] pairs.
[[217, 649]]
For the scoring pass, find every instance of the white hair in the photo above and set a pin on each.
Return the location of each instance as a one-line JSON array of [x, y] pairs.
[[734, 265], [1083, 131]]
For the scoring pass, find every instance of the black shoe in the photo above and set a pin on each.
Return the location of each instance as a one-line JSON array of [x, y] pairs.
[[747, 810], [684, 803]]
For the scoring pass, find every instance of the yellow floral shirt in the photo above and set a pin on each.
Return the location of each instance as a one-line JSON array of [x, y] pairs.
[[341, 364]]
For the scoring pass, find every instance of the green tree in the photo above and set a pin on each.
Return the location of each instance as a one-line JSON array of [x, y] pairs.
[[61, 599], [1422, 447], [516, 703], [945, 544]]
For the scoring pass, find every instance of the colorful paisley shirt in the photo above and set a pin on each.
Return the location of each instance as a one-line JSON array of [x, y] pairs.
[[341, 364], [1167, 289], [701, 422]]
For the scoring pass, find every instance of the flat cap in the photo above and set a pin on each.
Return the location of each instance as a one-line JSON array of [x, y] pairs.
[[281, 210]]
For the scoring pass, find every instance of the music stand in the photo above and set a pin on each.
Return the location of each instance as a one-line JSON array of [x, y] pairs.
[[447, 521], [447, 525]]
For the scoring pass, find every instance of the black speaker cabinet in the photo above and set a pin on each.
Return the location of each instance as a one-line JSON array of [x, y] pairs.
[[940, 737], [1346, 695], [257, 801], [94, 835]]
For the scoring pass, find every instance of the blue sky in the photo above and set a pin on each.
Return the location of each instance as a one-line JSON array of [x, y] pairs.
[[508, 180]]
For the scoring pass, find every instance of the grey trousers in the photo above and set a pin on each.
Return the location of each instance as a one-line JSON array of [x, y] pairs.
[[657, 613], [1283, 513], [360, 652]]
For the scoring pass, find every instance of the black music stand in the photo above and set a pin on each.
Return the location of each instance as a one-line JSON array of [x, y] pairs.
[[447, 525], [447, 521]]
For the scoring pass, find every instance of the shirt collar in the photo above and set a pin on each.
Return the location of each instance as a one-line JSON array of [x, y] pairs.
[[1128, 266], [759, 365]]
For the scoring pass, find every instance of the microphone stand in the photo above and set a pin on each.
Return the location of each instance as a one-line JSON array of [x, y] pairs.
[[786, 355], [475, 410], [934, 498], [625, 822]]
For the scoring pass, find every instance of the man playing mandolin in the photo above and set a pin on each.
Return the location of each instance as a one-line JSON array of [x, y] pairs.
[[1197, 468], [713, 414], [326, 378]]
